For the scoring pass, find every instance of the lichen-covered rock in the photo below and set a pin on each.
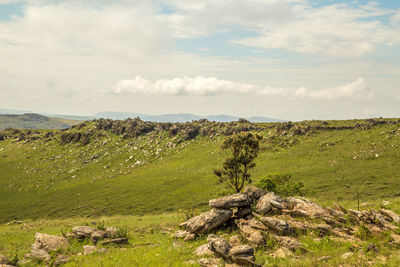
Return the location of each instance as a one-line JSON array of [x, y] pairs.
[[252, 235], [219, 246], [232, 201], [209, 262], [289, 242], [60, 260], [267, 203], [243, 212], [49, 243], [111, 232], [40, 254], [277, 225], [82, 232], [207, 221], [254, 193], [98, 235], [203, 250], [304, 208], [390, 215]]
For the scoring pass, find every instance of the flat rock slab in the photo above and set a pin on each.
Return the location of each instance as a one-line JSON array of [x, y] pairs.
[[115, 241], [82, 231], [49, 243], [233, 201], [207, 221]]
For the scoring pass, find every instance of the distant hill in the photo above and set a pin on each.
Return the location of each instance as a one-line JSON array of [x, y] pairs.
[[33, 121], [179, 117]]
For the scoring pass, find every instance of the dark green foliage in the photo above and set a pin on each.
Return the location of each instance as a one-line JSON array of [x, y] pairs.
[[281, 185], [243, 150], [122, 232]]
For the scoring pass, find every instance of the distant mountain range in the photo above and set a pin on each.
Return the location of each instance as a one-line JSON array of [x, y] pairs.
[[26, 119], [34, 121], [179, 117]]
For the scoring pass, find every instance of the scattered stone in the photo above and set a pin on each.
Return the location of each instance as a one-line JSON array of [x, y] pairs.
[[82, 232], [277, 225], [385, 203], [115, 241], [39, 254], [396, 239], [347, 255], [323, 258], [89, 250], [102, 250], [111, 232], [180, 234], [209, 262], [49, 243], [227, 202], [372, 247], [190, 237], [219, 246], [4, 260], [203, 250], [98, 235], [289, 242], [207, 221], [390, 215], [60, 260], [282, 252]]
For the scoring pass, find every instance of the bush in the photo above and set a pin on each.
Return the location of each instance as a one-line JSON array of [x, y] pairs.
[[281, 185]]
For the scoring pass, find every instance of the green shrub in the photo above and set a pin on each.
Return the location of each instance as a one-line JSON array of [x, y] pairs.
[[281, 185]]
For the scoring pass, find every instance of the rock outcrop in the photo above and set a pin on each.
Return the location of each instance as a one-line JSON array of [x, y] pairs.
[[207, 221], [228, 202]]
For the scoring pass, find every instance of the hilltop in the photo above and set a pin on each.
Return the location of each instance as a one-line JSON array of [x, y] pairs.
[[107, 167], [34, 121]]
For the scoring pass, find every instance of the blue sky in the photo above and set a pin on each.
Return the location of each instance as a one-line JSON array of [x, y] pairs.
[[291, 59]]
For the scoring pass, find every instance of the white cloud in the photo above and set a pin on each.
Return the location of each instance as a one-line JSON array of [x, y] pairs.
[[335, 30], [210, 86], [198, 85]]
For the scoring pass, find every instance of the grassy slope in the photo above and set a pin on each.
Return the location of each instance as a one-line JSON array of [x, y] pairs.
[[34, 121], [47, 180]]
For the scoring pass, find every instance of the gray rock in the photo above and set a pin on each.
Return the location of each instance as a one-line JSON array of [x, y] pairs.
[[209, 262], [289, 242], [347, 255], [60, 260], [243, 212], [264, 205], [190, 237], [49, 243], [203, 250], [4, 260], [40, 254], [219, 246], [277, 225], [254, 193], [111, 232], [250, 233], [89, 250], [207, 221], [82, 232], [241, 250], [393, 217], [98, 235], [227, 202]]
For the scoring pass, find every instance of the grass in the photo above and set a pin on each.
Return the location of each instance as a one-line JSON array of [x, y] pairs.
[[112, 175]]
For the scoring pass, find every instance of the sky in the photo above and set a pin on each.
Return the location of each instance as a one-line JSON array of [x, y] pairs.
[[287, 59]]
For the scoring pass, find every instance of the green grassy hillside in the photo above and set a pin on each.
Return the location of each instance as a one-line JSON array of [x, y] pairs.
[[131, 167], [34, 121]]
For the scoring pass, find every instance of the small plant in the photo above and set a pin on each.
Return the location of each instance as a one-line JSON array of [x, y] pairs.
[[122, 232], [14, 260], [186, 214], [281, 185], [243, 150], [64, 232], [101, 226]]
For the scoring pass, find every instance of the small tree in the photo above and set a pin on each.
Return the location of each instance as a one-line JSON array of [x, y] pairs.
[[243, 150]]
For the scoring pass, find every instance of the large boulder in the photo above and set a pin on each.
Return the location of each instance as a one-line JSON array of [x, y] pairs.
[[268, 203], [49, 243], [277, 225], [251, 234], [297, 207], [390, 215], [254, 193], [207, 221], [219, 246], [82, 232], [227, 202]]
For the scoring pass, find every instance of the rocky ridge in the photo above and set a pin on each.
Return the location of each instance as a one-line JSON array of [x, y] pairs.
[[260, 216]]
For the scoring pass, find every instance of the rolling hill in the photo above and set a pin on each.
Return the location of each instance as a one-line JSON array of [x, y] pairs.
[[33, 121]]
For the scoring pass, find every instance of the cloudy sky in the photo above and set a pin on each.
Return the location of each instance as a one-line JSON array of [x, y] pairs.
[[289, 59]]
